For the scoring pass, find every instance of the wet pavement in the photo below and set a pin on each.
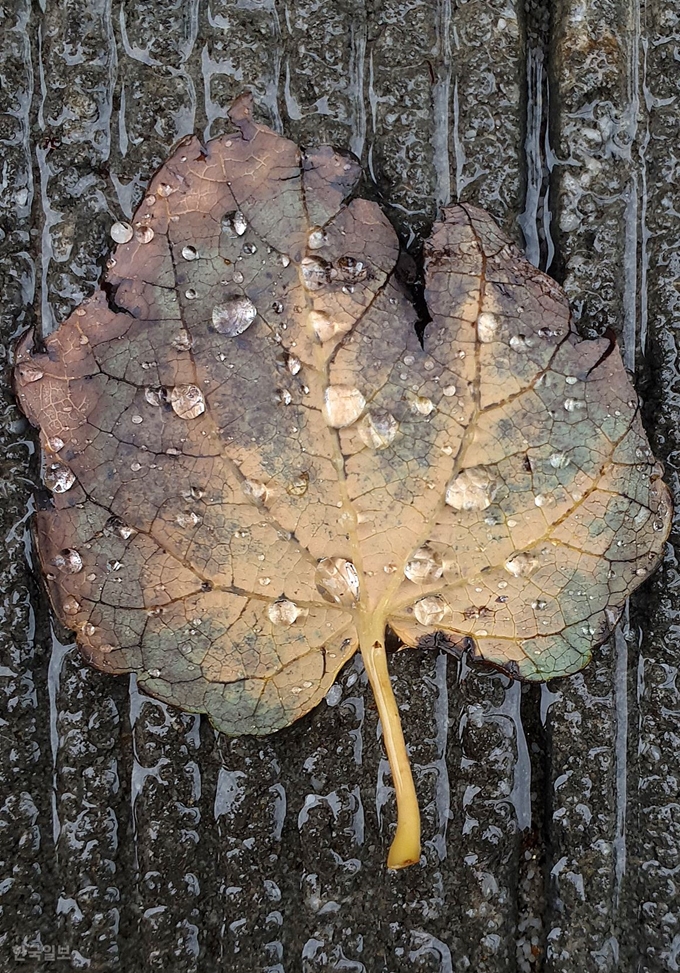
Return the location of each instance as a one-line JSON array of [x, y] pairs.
[[133, 837]]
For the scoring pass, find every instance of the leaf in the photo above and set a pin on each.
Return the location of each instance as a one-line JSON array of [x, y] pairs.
[[256, 468]]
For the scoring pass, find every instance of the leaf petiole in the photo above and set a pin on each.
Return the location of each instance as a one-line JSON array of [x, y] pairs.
[[405, 848]]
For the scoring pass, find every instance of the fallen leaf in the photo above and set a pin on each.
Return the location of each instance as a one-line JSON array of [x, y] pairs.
[[256, 468]]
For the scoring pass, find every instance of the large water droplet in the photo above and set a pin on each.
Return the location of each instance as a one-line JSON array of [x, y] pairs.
[[234, 223], [522, 565], [298, 485], [424, 566], [337, 581], [28, 372], [255, 491], [378, 429], [488, 327], [187, 401], [59, 478], [342, 405], [68, 560], [472, 489], [121, 232], [284, 612], [431, 610], [234, 315], [313, 272]]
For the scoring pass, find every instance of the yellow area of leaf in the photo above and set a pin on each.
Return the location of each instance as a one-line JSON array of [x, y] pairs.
[[256, 468]]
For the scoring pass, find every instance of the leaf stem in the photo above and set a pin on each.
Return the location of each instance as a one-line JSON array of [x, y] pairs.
[[405, 848]]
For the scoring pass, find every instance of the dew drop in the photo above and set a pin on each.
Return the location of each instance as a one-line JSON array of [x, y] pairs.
[[324, 327], [313, 272], [521, 565], [539, 605], [234, 223], [249, 249], [316, 239], [342, 405], [165, 189], [285, 260], [298, 485], [559, 460], [188, 519], [136, 420], [424, 566], [187, 401], [144, 233], [352, 270], [449, 390], [277, 307], [88, 629], [255, 491], [421, 405], [472, 489], [68, 560], [54, 444], [59, 478], [28, 372], [293, 364], [572, 405], [283, 396], [430, 611], [121, 232], [337, 581], [238, 277], [488, 326], [234, 315], [190, 253], [284, 612], [70, 606], [191, 294], [182, 341], [378, 430]]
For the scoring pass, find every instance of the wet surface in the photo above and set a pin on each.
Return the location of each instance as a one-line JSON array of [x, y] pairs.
[[132, 836]]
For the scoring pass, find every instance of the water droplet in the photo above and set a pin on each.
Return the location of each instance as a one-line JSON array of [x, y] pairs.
[[424, 566], [188, 519], [572, 405], [431, 610], [488, 327], [284, 612], [449, 390], [88, 629], [121, 232], [352, 270], [155, 673], [28, 372], [165, 189], [277, 307], [324, 327], [539, 605], [285, 260], [421, 405], [59, 478], [337, 581], [378, 429], [191, 294], [544, 499], [521, 565], [54, 444], [313, 272], [472, 489], [234, 223], [520, 342], [144, 233], [298, 485], [249, 248], [342, 405], [190, 253], [571, 380], [238, 277], [293, 364], [559, 460], [255, 491], [182, 341], [136, 420], [316, 239], [283, 396], [234, 315], [68, 560], [154, 396], [70, 606], [187, 401], [265, 581]]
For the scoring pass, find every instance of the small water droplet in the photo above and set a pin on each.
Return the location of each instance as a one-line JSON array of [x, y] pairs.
[[54, 444], [234, 315], [182, 341], [539, 605], [472, 489], [572, 405], [378, 430], [449, 390], [121, 232], [28, 372], [559, 460], [351, 270], [313, 273], [70, 606], [191, 294], [431, 610], [187, 401], [283, 397], [284, 612], [424, 566], [521, 565], [88, 629], [255, 491], [285, 260], [337, 581], [342, 405], [249, 248], [234, 223], [520, 342], [277, 307], [190, 253], [324, 327], [571, 380], [265, 581], [135, 467], [488, 327], [293, 364], [298, 485], [544, 499], [421, 405], [59, 478], [136, 420], [316, 239], [188, 519], [238, 277], [165, 189], [144, 233], [68, 560]]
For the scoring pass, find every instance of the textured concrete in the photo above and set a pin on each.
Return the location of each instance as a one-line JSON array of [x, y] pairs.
[[132, 836]]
